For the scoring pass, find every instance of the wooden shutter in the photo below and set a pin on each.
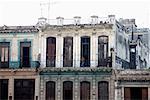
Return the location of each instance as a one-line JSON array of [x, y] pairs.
[[50, 90], [68, 90], [127, 93], [85, 91], [51, 52], [144, 93], [68, 52]]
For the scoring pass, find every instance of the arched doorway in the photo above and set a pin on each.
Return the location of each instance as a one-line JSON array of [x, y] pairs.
[[85, 90], [50, 90], [103, 90], [67, 90]]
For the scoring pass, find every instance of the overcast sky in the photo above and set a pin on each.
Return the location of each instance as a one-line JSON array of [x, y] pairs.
[[27, 12]]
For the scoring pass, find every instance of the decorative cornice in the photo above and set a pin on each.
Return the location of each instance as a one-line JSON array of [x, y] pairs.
[[19, 29], [68, 69]]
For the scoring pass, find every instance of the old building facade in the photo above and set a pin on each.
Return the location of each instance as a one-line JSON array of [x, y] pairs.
[[18, 63], [73, 60]]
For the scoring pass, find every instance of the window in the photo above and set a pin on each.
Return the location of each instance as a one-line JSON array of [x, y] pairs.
[[85, 90], [25, 54], [68, 90], [103, 92], [102, 50], [51, 52], [132, 56], [85, 52], [4, 54], [50, 90], [68, 52]]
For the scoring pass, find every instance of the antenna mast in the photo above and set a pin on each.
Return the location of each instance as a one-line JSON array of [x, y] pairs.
[[48, 10]]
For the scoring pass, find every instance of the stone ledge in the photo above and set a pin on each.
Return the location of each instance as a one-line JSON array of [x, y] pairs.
[[68, 69]]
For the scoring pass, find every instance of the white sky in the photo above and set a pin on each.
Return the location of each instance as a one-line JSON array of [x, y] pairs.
[[26, 12]]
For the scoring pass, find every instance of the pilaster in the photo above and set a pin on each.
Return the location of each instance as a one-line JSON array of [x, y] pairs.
[[93, 50]]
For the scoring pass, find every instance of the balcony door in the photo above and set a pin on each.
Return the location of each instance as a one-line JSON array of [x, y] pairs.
[[25, 54]]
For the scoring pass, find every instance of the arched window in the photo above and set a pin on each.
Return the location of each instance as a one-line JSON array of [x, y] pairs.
[[102, 50], [68, 52], [68, 90], [51, 52], [85, 90], [85, 51], [50, 90], [103, 90]]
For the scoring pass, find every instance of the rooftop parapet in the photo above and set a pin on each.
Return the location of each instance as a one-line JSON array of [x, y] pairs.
[[60, 21]]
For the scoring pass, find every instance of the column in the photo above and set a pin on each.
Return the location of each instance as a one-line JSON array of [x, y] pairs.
[[148, 93], [59, 51], [11, 89], [77, 50], [43, 51], [37, 87], [14, 53], [76, 89], [58, 91], [93, 90], [122, 93], [42, 93], [74, 50], [93, 48]]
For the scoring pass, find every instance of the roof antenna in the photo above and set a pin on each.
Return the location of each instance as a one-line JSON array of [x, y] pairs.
[[41, 10]]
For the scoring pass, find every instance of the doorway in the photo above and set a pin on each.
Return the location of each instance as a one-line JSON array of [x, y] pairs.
[[24, 89], [68, 90], [4, 89], [136, 93]]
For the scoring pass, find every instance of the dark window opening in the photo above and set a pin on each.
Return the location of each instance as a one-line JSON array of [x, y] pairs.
[[51, 52], [85, 91], [25, 54], [103, 91], [4, 54], [68, 52], [136, 93], [3, 89], [132, 56], [67, 90], [85, 52], [102, 51], [24, 89], [50, 90]]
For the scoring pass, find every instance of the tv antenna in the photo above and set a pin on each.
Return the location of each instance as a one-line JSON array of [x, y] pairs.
[[48, 8]]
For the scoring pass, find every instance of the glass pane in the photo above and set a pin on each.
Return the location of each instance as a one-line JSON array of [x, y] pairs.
[[3, 54], [85, 52], [6, 54]]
